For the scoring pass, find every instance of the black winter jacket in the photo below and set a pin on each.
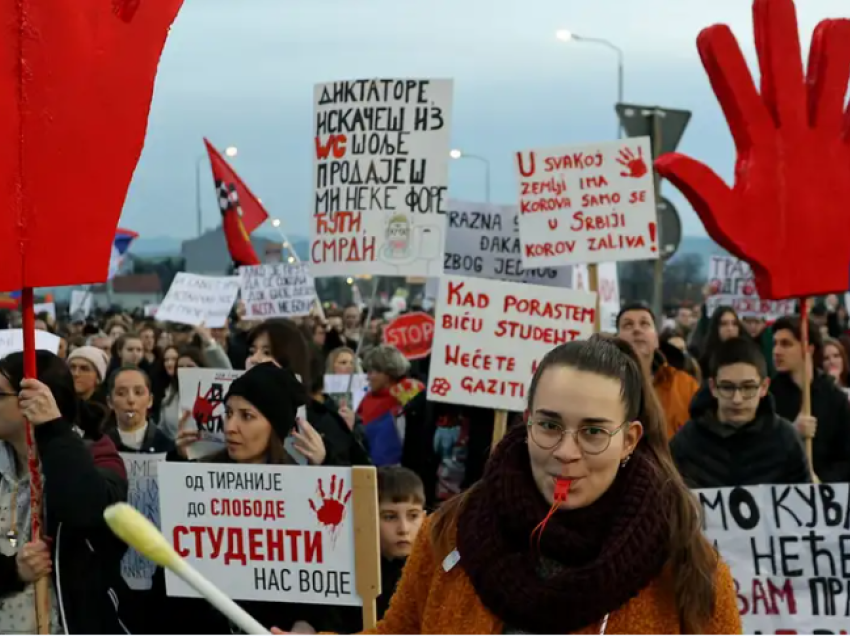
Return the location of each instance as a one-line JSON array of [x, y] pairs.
[[711, 454], [831, 445]]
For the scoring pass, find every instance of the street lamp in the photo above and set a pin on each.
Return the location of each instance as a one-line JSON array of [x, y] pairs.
[[275, 222], [455, 153], [568, 36], [230, 151]]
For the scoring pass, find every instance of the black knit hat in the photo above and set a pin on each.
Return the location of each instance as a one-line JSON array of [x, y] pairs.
[[273, 391]]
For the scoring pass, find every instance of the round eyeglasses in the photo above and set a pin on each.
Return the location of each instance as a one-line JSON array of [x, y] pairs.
[[591, 439]]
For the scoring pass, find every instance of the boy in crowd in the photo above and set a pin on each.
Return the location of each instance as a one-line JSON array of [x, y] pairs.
[[401, 505], [828, 426], [734, 436]]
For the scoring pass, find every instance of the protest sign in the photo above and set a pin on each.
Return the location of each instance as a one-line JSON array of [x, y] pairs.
[[336, 386], [275, 290], [45, 308], [587, 204], [150, 310], [412, 334], [12, 341], [732, 284], [380, 177], [609, 292], [263, 533], [81, 301], [143, 495], [202, 393], [789, 551], [482, 241], [193, 299], [491, 335]]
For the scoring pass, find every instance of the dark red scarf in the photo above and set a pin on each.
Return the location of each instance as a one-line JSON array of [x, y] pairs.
[[602, 555]]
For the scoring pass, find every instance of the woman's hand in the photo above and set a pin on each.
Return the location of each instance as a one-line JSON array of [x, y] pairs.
[[347, 414], [185, 436], [33, 561], [309, 443], [37, 402]]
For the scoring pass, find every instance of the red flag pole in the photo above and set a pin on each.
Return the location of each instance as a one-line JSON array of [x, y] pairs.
[[42, 591]]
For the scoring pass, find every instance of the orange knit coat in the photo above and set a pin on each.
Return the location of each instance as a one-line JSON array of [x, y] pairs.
[[430, 600]]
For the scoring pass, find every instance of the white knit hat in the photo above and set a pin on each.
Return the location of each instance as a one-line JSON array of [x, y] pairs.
[[97, 357]]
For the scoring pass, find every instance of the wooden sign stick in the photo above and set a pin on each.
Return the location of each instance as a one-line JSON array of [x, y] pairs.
[[367, 542], [807, 380]]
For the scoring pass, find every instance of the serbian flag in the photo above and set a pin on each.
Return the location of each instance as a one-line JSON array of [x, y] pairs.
[[120, 245], [241, 211]]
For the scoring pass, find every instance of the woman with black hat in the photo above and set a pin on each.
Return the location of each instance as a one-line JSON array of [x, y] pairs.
[[261, 412]]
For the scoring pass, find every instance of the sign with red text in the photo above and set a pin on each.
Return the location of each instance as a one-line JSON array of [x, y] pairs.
[[789, 551], [491, 336], [732, 284], [482, 240], [260, 532], [609, 292], [275, 290], [412, 334], [380, 177], [587, 204]]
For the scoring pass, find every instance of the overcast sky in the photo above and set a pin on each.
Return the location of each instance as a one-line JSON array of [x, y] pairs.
[[241, 72]]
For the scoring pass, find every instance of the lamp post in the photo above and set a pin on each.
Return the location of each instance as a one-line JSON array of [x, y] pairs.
[[231, 152], [459, 154], [568, 36]]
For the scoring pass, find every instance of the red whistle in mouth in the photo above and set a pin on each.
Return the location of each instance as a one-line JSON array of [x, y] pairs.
[[562, 489]]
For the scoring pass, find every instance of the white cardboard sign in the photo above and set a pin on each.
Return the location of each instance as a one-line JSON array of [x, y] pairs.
[[787, 547], [609, 292], [482, 241], [81, 302], [202, 393], [380, 176], [12, 341], [733, 285], [490, 336], [143, 495], [262, 533], [587, 204], [193, 299], [45, 308], [275, 290]]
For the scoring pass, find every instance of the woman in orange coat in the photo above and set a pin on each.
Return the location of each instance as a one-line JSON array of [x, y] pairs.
[[581, 523]]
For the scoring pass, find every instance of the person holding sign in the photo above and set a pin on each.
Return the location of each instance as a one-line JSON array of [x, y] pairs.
[[581, 523], [734, 437], [261, 412], [83, 475], [829, 422]]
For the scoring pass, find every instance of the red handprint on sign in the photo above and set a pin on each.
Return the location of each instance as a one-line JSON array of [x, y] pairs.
[[331, 509], [786, 212], [635, 164]]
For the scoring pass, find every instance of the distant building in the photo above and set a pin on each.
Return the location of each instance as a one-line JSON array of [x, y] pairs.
[[208, 253], [128, 292]]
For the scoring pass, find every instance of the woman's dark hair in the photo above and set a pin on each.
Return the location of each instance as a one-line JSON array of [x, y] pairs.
[[844, 378], [289, 347], [316, 383], [54, 372], [712, 336], [693, 560]]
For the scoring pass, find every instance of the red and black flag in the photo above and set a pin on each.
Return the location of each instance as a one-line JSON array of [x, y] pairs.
[[241, 211]]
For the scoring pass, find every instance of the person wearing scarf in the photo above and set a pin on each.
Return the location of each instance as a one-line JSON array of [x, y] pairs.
[[581, 523]]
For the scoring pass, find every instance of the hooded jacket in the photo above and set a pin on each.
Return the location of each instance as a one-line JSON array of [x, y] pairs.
[[712, 454], [81, 479], [675, 390], [831, 445]]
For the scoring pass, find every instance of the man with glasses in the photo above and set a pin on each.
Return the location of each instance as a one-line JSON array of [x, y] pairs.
[[734, 436]]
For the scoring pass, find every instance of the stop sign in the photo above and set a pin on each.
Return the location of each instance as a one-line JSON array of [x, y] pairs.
[[411, 334]]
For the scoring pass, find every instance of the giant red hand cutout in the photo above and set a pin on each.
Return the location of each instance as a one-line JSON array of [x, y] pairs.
[[789, 210], [75, 93]]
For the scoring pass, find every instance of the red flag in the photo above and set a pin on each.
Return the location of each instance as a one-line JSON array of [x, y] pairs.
[[251, 211], [75, 89]]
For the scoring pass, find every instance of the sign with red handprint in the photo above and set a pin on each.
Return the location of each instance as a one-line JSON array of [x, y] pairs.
[[731, 284], [265, 532], [587, 204], [787, 212], [608, 282], [202, 394]]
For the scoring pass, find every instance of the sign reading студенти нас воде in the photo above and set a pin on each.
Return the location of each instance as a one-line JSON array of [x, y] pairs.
[[380, 173]]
